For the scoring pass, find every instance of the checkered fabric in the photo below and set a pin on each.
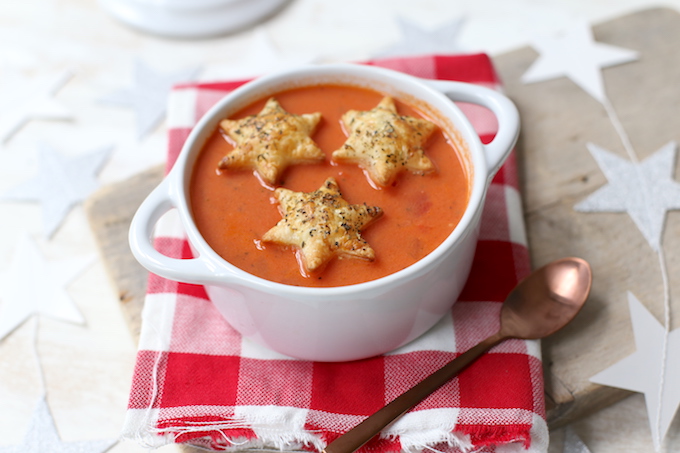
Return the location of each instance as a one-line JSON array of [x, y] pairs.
[[197, 381]]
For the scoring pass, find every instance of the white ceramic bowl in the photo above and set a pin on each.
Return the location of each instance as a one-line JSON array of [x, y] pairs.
[[348, 322]]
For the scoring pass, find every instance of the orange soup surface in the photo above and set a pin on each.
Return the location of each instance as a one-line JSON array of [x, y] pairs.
[[233, 209]]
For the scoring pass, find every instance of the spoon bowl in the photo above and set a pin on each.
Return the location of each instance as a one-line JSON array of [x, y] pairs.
[[538, 306], [546, 300]]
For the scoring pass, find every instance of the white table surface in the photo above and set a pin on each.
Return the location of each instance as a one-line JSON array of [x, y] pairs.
[[87, 369]]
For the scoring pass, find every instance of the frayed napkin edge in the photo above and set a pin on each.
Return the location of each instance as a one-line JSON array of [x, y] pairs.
[[289, 433]]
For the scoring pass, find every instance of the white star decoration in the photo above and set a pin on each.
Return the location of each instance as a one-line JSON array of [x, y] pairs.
[[149, 95], [23, 99], [577, 56], [261, 58], [416, 40], [61, 183], [573, 443], [42, 437], [641, 371], [644, 190], [34, 286]]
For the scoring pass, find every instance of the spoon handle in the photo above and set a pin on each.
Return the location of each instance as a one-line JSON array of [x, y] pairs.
[[353, 439]]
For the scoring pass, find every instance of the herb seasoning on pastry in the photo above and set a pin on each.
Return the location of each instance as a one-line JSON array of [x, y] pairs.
[[385, 143], [322, 225], [271, 141]]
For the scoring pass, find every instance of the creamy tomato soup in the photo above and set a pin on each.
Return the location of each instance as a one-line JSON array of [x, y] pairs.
[[233, 209]]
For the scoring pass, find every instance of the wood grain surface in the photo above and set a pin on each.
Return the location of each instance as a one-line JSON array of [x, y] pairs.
[[556, 172]]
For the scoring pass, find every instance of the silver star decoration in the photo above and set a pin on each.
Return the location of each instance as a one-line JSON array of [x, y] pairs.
[[149, 95], [61, 183], [34, 286], [23, 99], [645, 190], [573, 443], [641, 371], [42, 437], [417, 41], [261, 57], [576, 55]]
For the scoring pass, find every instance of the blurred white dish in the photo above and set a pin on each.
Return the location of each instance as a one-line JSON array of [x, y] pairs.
[[190, 18]]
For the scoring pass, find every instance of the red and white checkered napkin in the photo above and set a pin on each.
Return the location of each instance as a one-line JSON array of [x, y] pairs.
[[198, 382]]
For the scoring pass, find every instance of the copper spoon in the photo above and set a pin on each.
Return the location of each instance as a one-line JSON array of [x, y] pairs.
[[539, 306]]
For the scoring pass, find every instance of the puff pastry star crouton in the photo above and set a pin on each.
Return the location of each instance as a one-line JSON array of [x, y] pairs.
[[384, 143], [271, 141], [322, 225]]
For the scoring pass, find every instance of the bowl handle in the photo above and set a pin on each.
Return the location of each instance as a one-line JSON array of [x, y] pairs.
[[157, 203], [503, 108]]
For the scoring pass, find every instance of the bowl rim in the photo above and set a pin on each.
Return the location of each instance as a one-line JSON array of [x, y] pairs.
[[180, 174]]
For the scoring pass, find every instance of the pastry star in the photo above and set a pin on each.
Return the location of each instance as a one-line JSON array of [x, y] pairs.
[[271, 141], [42, 436], [642, 371], [577, 56], [644, 190], [385, 143], [321, 224], [33, 286]]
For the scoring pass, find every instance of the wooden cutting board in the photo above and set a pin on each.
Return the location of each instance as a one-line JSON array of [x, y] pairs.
[[556, 172]]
